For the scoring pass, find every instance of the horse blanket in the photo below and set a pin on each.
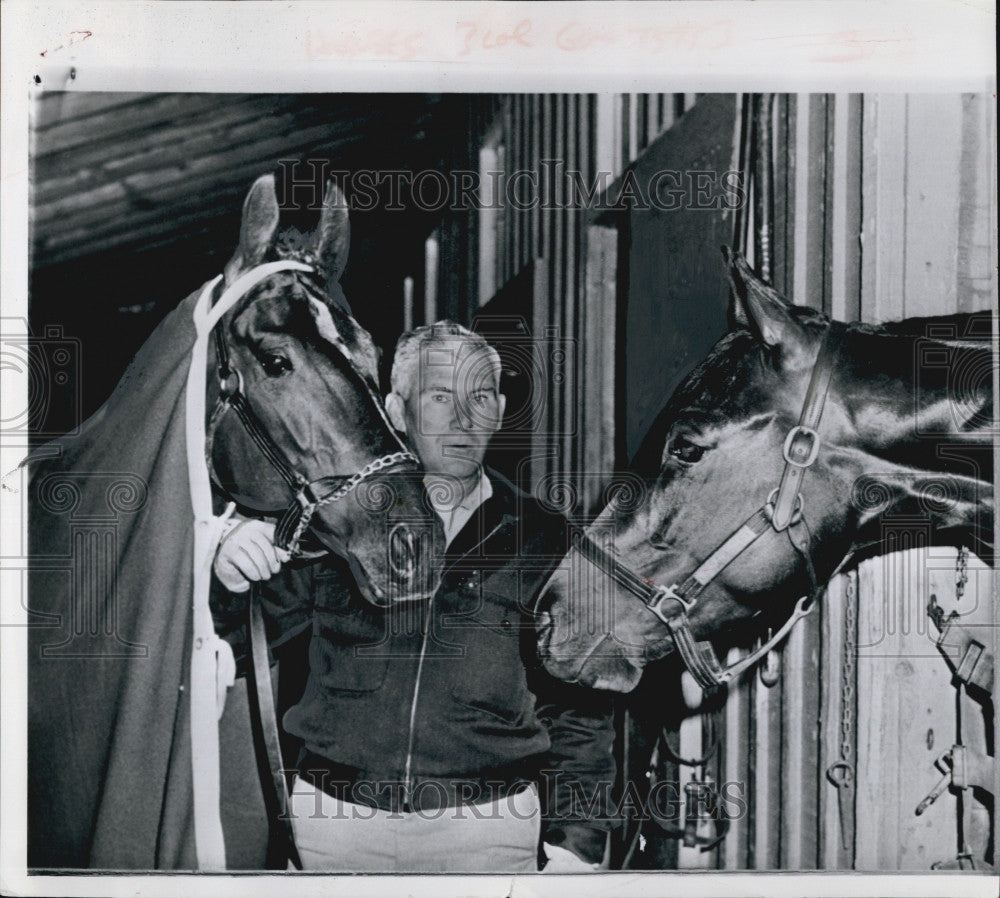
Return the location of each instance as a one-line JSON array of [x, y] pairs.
[[110, 622]]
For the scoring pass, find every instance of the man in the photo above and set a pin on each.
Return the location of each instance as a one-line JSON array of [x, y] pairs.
[[427, 727]]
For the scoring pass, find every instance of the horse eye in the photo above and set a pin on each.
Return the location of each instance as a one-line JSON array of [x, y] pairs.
[[275, 364], [684, 450]]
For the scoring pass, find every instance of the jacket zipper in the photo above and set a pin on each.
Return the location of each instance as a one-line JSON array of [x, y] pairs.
[[407, 770], [407, 775]]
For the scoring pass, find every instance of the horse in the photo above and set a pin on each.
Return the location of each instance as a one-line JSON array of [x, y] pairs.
[[767, 472], [281, 410]]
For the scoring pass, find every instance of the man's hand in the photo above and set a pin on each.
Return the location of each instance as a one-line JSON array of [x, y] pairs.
[[562, 860], [246, 554]]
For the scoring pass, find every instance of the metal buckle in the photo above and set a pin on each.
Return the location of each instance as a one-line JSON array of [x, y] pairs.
[[668, 593], [791, 450], [225, 389], [307, 499], [772, 498]]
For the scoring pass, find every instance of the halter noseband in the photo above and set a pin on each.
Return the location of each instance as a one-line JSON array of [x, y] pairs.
[[783, 511], [309, 496]]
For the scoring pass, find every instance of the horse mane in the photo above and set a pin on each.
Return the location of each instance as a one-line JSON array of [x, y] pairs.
[[961, 330], [722, 372]]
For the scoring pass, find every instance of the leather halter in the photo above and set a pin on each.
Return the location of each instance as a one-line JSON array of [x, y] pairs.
[[309, 495], [783, 512]]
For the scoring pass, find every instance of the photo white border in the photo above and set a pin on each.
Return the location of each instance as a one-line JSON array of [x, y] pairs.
[[424, 46]]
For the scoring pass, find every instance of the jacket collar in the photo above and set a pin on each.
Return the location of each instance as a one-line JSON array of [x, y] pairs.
[[499, 509]]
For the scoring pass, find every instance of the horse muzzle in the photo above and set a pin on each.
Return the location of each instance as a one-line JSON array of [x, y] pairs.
[[576, 649]]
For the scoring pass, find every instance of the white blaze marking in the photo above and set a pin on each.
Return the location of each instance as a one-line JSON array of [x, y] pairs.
[[327, 329]]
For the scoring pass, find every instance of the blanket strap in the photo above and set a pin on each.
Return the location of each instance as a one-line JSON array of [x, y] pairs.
[[267, 745]]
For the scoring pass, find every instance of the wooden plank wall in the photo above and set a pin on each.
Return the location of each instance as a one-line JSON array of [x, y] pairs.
[[480, 253], [882, 211], [926, 181]]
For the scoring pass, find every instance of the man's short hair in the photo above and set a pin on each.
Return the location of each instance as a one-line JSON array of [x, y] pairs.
[[406, 359]]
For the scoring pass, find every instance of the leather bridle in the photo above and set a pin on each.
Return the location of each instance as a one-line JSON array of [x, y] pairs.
[[782, 512], [309, 495]]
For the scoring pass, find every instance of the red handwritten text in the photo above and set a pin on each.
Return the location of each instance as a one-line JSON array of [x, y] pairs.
[[477, 36]]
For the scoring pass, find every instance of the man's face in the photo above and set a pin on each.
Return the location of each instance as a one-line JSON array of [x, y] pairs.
[[454, 407]]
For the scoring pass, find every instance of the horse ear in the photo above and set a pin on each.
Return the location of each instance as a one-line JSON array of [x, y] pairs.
[[758, 307], [332, 240], [260, 221]]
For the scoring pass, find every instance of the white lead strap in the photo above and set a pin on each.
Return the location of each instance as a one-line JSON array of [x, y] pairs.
[[210, 664]]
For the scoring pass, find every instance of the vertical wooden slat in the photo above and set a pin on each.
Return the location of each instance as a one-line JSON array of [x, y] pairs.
[[736, 722], [534, 111], [934, 169], [619, 112], [765, 774], [669, 115], [641, 109], [604, 150], [600, 301], [489, 216], [988, 176], [509, 163], [630, 146], [407, 304], [784, 189], [430, 278], [545, 150], [976, 224], [654, 124], [810, 180], [799, 732], [542, 463], [567, 330], [845, 256], [691, 746], [516, 165], [884, 176], [547, 299], [581, 164], [558, 295], [470, 222], [524, 164], [624, 132]]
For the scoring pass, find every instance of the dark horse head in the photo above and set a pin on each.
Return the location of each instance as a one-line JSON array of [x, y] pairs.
[[306, 372], [905, 430]]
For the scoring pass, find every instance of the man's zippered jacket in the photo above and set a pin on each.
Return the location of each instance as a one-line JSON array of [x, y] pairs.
[[451, 686]]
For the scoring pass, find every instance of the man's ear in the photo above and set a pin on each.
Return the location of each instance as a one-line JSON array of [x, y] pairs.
[[501, 406], [395, 407]]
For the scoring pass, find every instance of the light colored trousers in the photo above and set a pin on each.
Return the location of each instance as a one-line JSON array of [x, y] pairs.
[[337, 836]]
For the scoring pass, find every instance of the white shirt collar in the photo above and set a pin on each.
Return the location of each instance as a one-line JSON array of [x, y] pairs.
[[456, 517]]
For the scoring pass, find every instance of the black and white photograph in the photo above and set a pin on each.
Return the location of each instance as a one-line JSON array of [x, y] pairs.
[[452, 480]]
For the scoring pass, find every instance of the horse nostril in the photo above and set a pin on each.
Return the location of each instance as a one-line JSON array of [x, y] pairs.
[[403, 550]]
